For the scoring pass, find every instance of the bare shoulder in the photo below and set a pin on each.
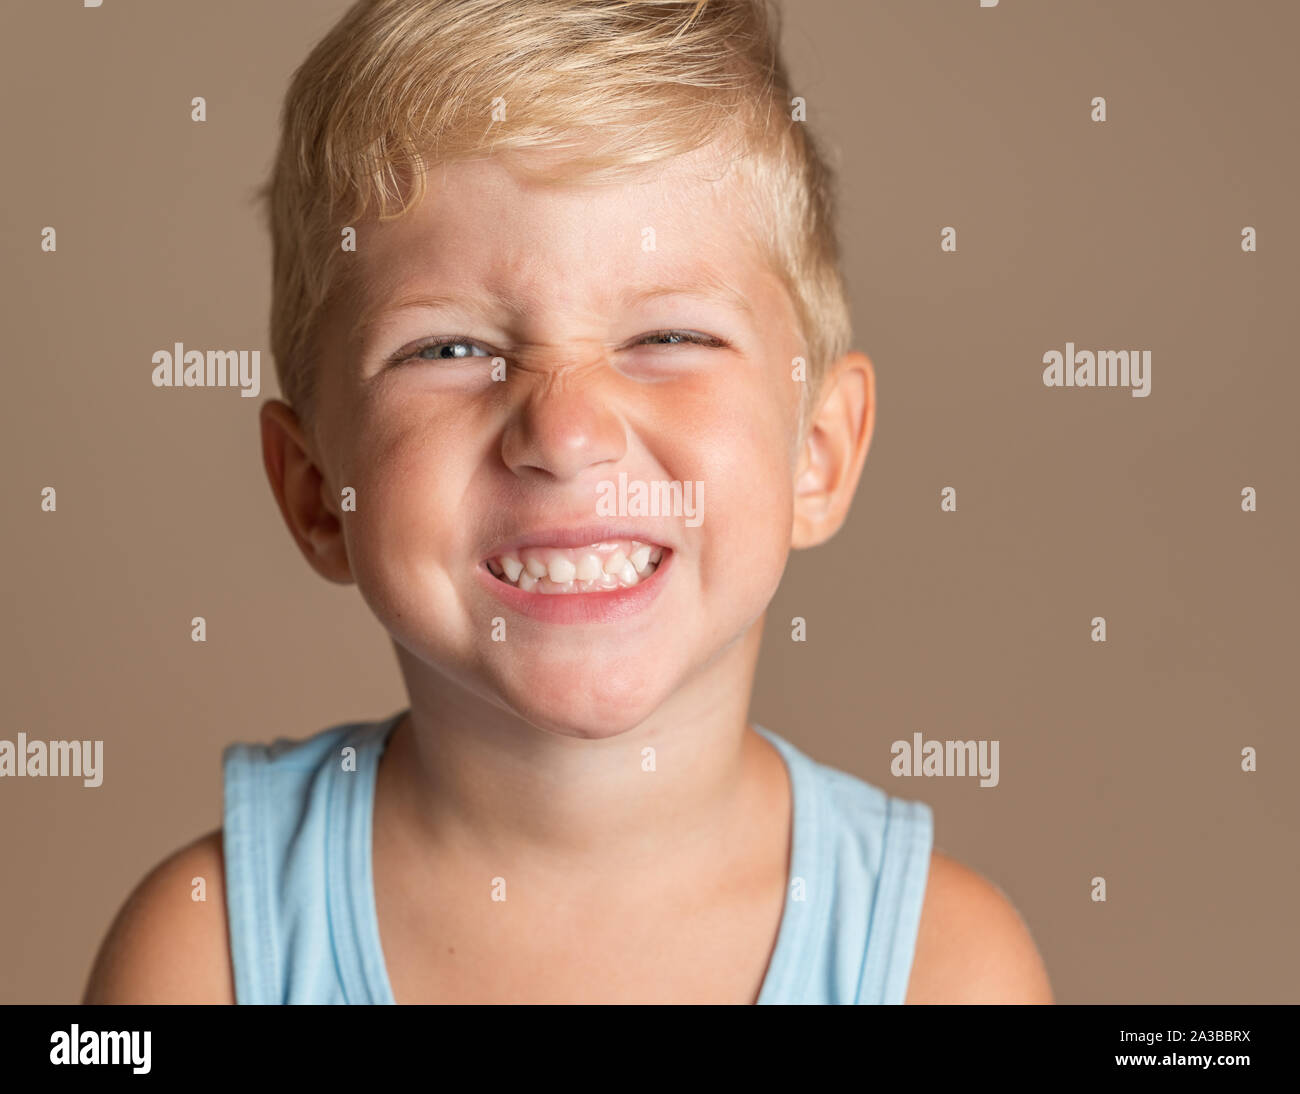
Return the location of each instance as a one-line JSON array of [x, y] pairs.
[[972, 946], [165, 946]]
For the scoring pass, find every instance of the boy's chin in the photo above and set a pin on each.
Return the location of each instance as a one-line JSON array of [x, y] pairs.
[[590, 707], [588, 726]]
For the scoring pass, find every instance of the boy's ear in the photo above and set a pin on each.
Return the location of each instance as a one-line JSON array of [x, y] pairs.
[[301, 492], [834, 449]]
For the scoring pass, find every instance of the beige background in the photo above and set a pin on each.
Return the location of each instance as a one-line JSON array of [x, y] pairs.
[[1119, 760]]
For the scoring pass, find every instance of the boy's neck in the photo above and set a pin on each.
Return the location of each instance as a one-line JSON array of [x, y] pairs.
[[473, 779]]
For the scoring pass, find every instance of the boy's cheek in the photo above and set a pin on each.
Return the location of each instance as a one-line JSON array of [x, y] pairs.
[[400, 565], [749, 525], [399, 533]]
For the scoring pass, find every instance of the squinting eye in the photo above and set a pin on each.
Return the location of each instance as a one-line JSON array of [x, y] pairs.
[[441, 349], [680, 336], [448, 349]]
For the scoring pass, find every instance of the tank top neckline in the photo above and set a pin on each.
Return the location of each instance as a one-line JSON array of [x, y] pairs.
[[350, 896]]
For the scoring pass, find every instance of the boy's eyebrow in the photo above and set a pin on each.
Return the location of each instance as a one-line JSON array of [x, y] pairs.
[[425, 300], [708, 289], [707, 286]]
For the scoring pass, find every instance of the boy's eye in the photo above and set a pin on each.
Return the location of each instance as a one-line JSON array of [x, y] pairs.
[[678, 337], [441, 349], [450, 349]]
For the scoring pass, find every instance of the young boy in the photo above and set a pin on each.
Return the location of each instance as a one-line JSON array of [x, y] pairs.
[[561, 421]]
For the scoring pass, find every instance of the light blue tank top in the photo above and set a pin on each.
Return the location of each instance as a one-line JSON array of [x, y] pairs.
[[301, 902]]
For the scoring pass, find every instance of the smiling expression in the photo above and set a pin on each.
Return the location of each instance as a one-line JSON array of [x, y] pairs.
[[637, 330]]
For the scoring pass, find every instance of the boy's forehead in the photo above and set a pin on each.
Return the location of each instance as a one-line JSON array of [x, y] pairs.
[[480, 225], [695, 189]]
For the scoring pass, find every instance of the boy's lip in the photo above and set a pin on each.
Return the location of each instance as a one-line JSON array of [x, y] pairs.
[[583, 535]]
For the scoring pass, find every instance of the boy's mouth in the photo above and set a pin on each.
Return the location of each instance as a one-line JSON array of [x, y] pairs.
[[595, 567]]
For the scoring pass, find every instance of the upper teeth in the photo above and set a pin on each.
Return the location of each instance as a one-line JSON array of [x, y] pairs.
[[581, 569], [561, 570]]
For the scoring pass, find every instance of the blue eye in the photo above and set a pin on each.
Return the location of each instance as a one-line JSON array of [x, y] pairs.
[[440, 349]]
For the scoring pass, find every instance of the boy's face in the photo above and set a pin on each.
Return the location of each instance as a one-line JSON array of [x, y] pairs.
[[455, 471]]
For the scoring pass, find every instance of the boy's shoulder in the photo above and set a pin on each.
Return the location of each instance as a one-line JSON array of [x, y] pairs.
[[972, 946], [165, 946]]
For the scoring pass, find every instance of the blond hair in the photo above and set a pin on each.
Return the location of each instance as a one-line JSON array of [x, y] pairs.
[[397, 86]]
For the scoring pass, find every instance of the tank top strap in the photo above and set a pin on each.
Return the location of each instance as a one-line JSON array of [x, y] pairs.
[[297, 817], [858, 869], [904, 870]]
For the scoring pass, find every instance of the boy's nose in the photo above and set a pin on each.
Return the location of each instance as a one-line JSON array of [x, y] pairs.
[[566, 423]]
